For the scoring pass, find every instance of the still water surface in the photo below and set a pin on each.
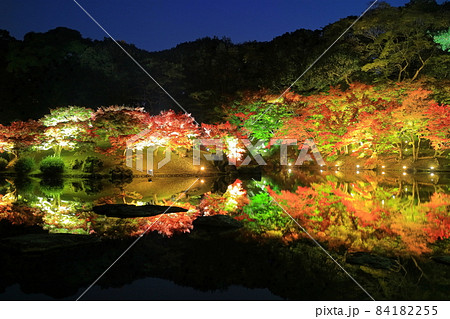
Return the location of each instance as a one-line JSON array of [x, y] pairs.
[[398, 216]]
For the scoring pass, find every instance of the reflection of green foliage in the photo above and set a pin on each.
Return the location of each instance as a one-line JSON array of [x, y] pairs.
[[52, 187], [265, 214], [255, 187], [52, 165], [24, 185], [24, 165], [115, 227], [92, 186], [120, 176]]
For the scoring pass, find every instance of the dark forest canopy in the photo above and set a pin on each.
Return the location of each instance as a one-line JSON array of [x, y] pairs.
[[60, 67]]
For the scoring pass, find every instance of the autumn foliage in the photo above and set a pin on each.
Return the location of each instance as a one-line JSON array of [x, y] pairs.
[[360, 221]]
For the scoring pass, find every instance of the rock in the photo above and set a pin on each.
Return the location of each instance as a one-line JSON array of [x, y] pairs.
[[38, 243], [442, 259], [131, 211], [216, 223], [369, 260]]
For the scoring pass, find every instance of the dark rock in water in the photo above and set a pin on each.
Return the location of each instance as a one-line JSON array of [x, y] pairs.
[[131, 211], [216, 223], [39, 243], [442, 259], [370, 260]]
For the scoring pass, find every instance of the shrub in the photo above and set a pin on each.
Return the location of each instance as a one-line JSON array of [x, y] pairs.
[[52, 166], [24, 165], [3, 164], [92, 164]]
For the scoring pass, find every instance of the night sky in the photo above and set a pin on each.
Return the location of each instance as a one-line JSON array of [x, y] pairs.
[[161, 24]]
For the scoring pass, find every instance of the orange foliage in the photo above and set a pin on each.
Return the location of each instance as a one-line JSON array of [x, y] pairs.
[[360, 222]]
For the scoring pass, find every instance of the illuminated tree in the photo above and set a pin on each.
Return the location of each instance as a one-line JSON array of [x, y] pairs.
[[70, 114], [119, 120], [66, 128], [443, 39], [229, 135], [260, 119], [410, 119], [438, 127], [18, 136], [168, 129]]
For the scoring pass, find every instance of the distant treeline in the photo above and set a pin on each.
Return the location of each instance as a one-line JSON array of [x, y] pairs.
[[60, 67]]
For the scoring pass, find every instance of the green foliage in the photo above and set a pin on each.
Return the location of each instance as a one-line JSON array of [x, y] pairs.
[[259, 119], [395, 42], [265, 215], [52, 187], [24, 185], [24, 165], [52, 166], [92, 164], [443, 39], [3, 163]]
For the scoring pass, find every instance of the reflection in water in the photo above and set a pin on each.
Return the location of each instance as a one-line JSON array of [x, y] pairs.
[[395, 215], [384, 214], [366, 212]]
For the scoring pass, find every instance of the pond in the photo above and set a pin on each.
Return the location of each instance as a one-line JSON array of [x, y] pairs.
[[242, 238]]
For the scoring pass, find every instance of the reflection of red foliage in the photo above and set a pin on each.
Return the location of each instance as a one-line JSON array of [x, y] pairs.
[[20, 215], [212, 204], [169, 224], [231, 201], [358, 221], [105, 200], [438, 217]]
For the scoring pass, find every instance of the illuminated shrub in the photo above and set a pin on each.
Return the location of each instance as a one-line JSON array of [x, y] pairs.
[[24, 165], [3, 164], [52, 165]]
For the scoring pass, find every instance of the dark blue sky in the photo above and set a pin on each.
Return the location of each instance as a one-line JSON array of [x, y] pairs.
[[161, 24]]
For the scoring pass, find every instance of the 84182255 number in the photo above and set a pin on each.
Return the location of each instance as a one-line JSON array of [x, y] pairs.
[[407, 310]]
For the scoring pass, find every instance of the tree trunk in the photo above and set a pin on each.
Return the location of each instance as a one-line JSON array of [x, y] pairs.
[[413, 148], [418, 149], [57, 149], [419, 69], [400, 153], [14, 160]]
